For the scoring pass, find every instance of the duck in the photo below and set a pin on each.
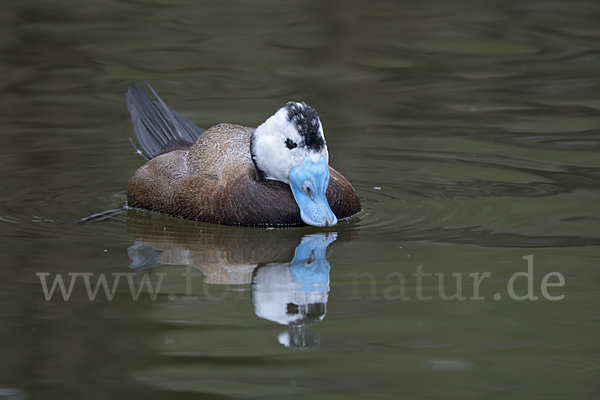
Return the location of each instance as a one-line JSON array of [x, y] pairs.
[[276, 174]]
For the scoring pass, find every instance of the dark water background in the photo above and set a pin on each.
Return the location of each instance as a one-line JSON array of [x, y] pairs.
[[470, 130]]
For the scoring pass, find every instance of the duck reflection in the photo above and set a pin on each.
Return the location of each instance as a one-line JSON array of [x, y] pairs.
[[291, 293], [295, 293]]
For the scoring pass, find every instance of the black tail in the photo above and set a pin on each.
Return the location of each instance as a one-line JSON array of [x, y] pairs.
[[158, 128]]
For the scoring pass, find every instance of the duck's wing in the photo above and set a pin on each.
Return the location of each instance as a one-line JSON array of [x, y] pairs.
[[157, 127]]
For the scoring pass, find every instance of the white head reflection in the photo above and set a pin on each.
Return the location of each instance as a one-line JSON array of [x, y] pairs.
[[296, 294]]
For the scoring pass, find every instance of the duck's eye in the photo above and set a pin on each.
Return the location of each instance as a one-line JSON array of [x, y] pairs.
[[290, 144]]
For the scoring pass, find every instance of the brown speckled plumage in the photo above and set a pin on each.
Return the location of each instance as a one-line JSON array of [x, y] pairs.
[[216, 181]]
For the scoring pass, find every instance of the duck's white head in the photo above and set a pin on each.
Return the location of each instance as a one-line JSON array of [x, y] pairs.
[[290, 147]]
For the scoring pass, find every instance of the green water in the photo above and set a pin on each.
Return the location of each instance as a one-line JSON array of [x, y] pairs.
[[470, 131]]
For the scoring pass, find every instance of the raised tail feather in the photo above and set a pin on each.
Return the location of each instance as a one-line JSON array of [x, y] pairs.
[[157, 127]]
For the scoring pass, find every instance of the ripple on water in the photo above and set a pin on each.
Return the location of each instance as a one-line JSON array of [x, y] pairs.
[[448, 204]]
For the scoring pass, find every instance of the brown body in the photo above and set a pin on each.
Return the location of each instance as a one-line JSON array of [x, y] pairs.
[[216, 181]]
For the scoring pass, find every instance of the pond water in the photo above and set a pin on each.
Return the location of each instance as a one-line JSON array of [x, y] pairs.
[[470, 131]]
